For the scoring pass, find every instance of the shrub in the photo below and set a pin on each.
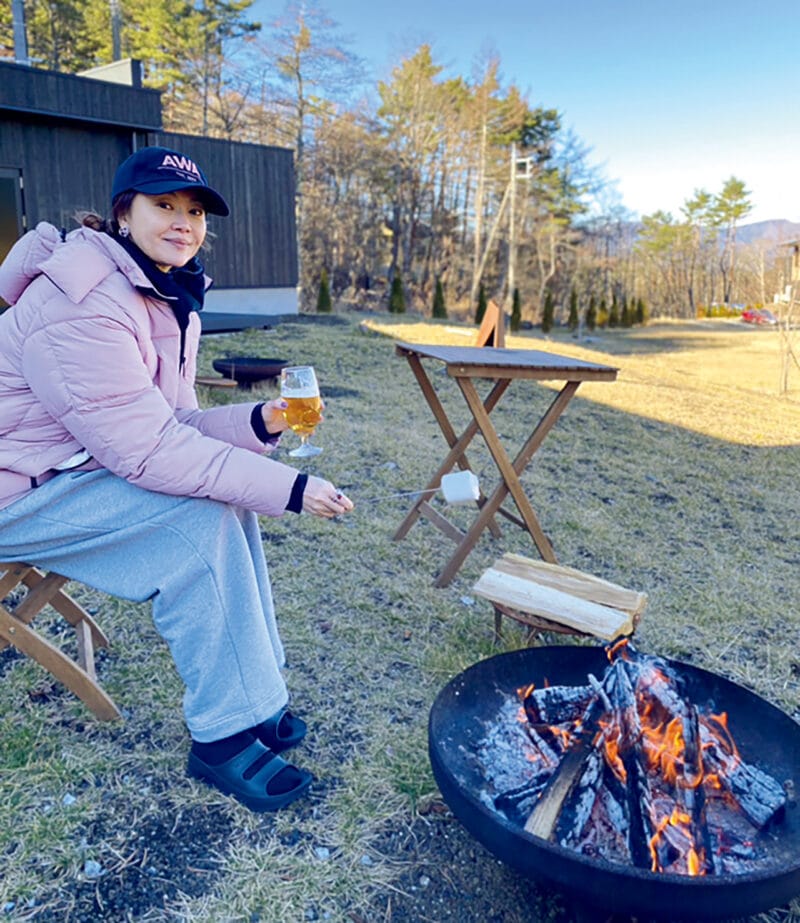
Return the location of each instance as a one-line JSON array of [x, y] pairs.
[[397, 296], [591, 314], [481, 309], [324, 304], [602, 314], [626, 317], [613, 314], [573, 320], [516, 312], [547, 313], [439, 309]]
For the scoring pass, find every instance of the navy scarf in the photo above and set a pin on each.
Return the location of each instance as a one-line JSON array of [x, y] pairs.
[[183, 288]]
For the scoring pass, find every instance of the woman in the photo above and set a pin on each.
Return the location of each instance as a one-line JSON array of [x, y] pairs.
[[111, 475]]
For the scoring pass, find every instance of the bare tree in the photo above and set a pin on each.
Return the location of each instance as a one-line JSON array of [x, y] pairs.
[[790, 354]]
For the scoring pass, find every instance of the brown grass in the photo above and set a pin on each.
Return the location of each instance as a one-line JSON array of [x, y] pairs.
[[680, 480], [668, 371]]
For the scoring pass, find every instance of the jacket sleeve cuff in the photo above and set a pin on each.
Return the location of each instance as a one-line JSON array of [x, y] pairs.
[[257, 422], [295, 504]]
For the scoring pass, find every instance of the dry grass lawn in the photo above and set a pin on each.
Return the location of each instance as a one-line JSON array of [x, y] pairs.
[[680, 479]]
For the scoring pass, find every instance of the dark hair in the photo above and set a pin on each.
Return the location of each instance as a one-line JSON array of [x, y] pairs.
[[119, 207]]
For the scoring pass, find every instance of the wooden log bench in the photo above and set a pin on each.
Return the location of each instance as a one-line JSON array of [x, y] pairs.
[[550, 597]]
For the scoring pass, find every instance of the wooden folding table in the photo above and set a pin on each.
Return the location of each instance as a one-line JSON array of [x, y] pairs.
[[502, 366]]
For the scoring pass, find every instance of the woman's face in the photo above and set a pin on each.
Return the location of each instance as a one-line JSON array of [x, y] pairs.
[[169, 228]]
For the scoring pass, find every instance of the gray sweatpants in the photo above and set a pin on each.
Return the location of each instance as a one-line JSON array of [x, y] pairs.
[[202, 564]]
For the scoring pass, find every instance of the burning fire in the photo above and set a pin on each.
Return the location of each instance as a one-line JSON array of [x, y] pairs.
[[635, 769]]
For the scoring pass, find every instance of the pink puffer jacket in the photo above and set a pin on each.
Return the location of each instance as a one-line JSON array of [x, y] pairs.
[[88, 362]]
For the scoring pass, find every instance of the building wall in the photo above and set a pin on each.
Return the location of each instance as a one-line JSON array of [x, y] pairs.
[[65, 166], [64, 136], [257, 245]]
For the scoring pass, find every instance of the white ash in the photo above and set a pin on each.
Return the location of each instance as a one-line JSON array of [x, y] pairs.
[[507, 757]]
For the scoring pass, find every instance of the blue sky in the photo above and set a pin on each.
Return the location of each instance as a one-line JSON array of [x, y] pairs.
[[669, 97]]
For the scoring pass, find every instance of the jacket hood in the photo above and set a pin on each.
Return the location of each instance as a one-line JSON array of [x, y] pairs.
[[76, 264]]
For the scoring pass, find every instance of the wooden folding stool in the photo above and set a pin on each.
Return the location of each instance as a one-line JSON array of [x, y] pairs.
[[15, 628]]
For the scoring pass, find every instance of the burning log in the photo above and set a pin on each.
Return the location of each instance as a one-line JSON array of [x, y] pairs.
[[760, 797], [543, 748], [559, 788], [555, 704], [692, 797], [575, 818], [516, 803], [628, 769]]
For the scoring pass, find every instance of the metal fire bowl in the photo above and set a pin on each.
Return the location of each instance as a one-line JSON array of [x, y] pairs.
[[764, 735], [245, 370]]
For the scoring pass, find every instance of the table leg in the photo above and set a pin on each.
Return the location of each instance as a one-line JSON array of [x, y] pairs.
[[458, 444], [510, 472]]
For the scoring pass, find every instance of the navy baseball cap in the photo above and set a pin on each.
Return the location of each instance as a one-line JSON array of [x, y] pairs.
[[153, 170]]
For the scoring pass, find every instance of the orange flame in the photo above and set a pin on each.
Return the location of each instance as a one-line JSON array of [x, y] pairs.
[[610, 735], [677, 831]]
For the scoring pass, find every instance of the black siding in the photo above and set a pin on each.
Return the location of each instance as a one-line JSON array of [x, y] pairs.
[[65, 96], [65, 167], [258, 241], [67, 135]]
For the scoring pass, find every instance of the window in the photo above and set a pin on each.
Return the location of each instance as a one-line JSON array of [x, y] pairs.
[[12, 219]]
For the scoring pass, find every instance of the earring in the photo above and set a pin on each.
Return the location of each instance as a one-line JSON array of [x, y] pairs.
[[124, 231]]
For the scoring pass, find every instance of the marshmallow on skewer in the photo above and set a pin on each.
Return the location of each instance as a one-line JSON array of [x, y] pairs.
[[460, 487], [457, 487]]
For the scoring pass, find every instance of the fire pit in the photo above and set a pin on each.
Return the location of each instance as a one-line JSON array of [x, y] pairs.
[[246, 370], [467, 709]]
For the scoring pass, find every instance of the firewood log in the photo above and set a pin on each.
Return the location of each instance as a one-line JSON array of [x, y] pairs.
[[560, 594], [760, 796]]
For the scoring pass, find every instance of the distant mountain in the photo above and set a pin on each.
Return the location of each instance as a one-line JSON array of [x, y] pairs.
[[775, 232]]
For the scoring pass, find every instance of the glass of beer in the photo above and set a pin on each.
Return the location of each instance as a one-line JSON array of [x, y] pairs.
[[300, 390]]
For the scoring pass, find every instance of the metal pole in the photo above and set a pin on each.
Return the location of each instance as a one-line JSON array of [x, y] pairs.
[[116, 29], [512, 238], [20, 37]]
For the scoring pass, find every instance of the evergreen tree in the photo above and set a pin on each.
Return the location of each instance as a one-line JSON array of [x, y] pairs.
[[591, 314], [573, 320], [516, 312], [481, 309], [324, 303], [62, 34], [602, 314], [548, 312], [641, 312], [397, 296], [625, 316], [439, 310], [613, 314]]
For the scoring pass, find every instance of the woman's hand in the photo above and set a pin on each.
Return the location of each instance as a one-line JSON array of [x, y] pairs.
[[274, 420], [321, 498], [272, 415]]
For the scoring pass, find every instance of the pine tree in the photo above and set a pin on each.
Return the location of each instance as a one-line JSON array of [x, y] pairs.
[[613, 314], [439, 310], [324, 303], [641, 312], [481, 309], [591, 314], [547, 313], [625, 317], [573, 320], [397, 297], [516, 312]]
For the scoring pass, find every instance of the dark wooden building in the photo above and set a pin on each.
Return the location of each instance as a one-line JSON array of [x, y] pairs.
[[62, 137]]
